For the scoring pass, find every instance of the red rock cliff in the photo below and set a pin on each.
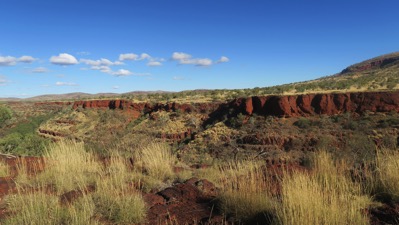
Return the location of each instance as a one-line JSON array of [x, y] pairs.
[[288, 106], [329, 104]]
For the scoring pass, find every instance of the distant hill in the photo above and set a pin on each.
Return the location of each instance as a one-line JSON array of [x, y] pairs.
[[378, 63], [75, 95], [9, 99], [80, 95], [379, 73]]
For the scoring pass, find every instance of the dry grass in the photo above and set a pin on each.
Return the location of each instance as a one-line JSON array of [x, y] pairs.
[[246, 191], [388, 173], [22, 170], [36, 208], [324, 196], [70, 167], [39, 207], [305, 200], [156, 160], [4, 169], [118, 206], [115, 199]]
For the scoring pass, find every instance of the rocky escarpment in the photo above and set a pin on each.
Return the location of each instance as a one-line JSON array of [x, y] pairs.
[[314, 104], [281, 106]]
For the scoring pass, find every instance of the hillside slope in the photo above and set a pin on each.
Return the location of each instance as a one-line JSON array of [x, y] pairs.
[[379, 73]]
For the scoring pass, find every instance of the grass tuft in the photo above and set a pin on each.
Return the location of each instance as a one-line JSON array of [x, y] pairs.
[[157, 160], [387, 173], [4, 169], [246, 191], [324, 196]]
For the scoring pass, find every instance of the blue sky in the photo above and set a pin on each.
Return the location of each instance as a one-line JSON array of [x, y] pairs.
[[51, 47]]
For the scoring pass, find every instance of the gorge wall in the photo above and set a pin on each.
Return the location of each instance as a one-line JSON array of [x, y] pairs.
[[281, 106]]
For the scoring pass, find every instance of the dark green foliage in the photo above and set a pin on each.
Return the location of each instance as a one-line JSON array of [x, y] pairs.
[[303, 123], [5, 115], [30, 126], [351, 125], [23, 138], [237, 122], [390, 122], [18, 144]]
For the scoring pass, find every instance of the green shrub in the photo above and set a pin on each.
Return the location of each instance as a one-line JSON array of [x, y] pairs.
[[5, 115], [303, 123], [29, 144]]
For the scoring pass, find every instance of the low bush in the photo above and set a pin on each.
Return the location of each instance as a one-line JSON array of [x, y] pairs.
[[303, 123], [5, 115]]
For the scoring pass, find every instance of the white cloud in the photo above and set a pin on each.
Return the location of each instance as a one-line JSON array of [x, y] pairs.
[[64, 59], [7, 61], [26, 59], [40, 70], [145, 56], [154, 63], [180, 56], [197, 62], [121, 73], [115, 87], [101, 62], [186, 59], [3, 80], [201, 62], [134, 57], [118, 73], [59, 83], [223, 59], [128, 56], [104, 69]]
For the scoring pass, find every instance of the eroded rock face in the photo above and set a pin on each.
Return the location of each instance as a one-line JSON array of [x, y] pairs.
[[314, 104], [282, 106]]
